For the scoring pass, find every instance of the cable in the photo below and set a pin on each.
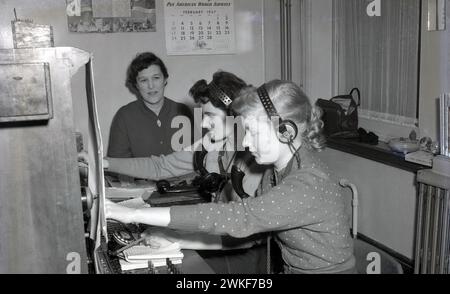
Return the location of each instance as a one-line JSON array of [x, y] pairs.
[[269, 266], [295, 153], [231, 161]]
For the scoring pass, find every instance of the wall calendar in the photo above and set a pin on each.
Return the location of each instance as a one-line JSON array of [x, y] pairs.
[[196, 27]]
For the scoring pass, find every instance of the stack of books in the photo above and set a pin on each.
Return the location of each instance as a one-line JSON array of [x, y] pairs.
[[141, 257]]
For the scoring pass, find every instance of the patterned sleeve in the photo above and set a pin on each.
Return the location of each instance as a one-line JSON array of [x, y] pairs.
[[296, 202]]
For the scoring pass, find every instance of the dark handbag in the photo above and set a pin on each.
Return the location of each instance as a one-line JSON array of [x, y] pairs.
[[340, 115]]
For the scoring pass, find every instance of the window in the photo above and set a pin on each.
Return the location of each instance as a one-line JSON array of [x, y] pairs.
[[379, 55]]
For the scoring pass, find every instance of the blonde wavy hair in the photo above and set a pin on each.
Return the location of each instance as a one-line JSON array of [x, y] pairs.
[[292, 104]]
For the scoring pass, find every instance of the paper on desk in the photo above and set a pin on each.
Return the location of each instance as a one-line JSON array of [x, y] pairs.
[[136, 253], [129, 266]]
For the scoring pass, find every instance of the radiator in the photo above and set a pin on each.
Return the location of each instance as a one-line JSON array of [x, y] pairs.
[[432, 242]]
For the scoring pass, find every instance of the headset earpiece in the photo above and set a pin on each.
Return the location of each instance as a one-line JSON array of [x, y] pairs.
[[287, 131]]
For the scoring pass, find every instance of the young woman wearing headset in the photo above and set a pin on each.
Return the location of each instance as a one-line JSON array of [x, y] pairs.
[[300, 202]]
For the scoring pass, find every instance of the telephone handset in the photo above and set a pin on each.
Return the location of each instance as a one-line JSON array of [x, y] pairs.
[[164, 187]]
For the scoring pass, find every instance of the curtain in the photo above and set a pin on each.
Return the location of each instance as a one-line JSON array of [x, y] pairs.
[[379, 55]]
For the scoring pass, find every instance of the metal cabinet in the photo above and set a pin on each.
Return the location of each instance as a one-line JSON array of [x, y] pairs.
[[41, 217]]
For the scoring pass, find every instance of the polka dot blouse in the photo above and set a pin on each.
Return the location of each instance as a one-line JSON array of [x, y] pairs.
[[305, 211]]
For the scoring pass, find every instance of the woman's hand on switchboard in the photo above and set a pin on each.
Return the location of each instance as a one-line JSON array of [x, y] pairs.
[[118, 212], [159, 237], [83, 159]]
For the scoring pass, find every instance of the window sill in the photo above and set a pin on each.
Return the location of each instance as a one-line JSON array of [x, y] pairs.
[[380, 153]]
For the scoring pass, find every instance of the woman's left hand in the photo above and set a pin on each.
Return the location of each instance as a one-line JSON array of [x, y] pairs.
[[118, 212], [159, 237]]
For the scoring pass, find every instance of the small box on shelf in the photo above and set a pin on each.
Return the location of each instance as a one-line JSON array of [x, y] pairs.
[[420, 157]]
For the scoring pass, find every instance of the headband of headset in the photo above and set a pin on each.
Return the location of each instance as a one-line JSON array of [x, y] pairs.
[[219, 94]]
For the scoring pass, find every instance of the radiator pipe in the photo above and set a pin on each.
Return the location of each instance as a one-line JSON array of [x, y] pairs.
[[445, 250], [436, 231], [420, 208], [286, 39], [283, 38], [427, 230], [346, 184]]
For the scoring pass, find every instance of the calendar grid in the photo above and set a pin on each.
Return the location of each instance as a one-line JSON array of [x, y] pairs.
[[199, 27]]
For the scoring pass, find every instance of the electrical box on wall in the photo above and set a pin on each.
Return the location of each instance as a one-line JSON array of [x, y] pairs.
[[25, 92]]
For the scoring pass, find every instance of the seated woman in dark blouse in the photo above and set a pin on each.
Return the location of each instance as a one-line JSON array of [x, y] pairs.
[[144, 127], [300, 202]]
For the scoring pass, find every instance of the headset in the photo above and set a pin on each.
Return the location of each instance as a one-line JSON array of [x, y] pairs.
[[286, 133], [218, 93], [287, 129]]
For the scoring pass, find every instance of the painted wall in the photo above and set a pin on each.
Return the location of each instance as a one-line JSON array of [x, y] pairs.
[[387, 199], [113, 52], [321, 44]]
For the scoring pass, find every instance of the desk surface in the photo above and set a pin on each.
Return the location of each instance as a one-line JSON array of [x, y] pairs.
[[193, 263]]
